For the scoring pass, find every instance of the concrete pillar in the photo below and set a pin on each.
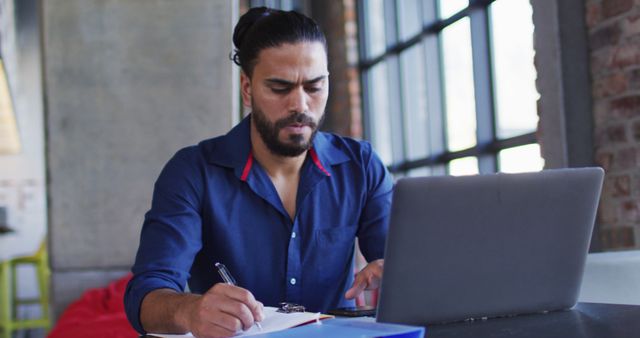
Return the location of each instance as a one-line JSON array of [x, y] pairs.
[[127, 84]]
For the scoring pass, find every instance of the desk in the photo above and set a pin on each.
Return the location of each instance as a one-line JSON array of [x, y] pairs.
[[586, 320]]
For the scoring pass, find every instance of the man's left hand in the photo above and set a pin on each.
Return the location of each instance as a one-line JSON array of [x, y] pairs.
[[367, 279]]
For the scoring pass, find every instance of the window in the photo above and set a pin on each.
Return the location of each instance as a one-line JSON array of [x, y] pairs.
[[285, 5], [449, 85]]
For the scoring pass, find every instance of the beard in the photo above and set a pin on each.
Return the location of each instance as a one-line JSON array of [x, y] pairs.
[[269, 132]]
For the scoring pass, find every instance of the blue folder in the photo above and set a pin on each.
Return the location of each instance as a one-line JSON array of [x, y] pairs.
[[349, 328]]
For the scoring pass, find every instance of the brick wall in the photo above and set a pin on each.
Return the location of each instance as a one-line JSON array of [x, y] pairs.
[[614, 41], [339, 22]]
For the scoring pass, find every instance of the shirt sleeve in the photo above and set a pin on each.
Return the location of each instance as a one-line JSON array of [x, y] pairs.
[[171, 233], [374, 220]]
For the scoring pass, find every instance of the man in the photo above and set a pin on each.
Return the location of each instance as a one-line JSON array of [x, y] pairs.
[[276, 201]]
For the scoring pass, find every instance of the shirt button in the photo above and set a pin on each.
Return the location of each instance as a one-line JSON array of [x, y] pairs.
[[293, 281], [293, 235]]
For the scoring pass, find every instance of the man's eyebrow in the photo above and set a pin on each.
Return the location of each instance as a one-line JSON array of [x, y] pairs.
[[317, 79], [289, 83]]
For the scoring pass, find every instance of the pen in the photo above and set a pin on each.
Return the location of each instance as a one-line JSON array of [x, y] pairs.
[[227, 278]]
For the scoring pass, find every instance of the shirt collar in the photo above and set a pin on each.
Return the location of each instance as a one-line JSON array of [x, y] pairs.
[[329, 153], [233, 150]]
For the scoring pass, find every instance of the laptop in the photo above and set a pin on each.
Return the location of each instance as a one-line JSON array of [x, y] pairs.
[[486, 246]]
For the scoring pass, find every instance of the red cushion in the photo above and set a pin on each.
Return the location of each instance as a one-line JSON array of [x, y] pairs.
[[99, 313]]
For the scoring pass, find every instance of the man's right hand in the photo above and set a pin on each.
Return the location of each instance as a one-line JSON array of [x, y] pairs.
[[221, 312]]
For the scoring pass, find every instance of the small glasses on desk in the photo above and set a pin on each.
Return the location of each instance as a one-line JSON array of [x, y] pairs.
[[290, 307]]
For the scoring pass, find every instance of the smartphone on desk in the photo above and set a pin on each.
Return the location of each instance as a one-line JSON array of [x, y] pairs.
[[354, 311]]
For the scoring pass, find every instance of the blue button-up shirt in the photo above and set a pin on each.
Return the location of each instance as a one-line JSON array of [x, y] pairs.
[[214, 203]]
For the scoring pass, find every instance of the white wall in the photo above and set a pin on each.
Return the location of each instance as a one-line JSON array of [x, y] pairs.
[[22, 176]]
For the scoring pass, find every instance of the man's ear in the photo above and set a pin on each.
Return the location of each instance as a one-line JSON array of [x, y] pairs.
[[245, 89]]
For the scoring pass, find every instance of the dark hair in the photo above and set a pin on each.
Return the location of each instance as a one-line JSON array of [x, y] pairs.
[[263, 27]]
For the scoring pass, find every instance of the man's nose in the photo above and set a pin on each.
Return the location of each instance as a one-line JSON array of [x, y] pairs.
[[298, 100]]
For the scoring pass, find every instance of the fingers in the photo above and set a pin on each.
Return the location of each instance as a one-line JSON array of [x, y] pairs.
[[367, 279], [241, 316], [245, 297], [258, 312], [359, 285], [208, 322], [237, 302]]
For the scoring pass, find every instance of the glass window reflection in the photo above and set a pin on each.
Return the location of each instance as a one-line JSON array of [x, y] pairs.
[[447, 8], [464, 166], [375, 27], [459, 92], [514, 70], [521, 159], [379, 107], [409, 22], [414, 103]]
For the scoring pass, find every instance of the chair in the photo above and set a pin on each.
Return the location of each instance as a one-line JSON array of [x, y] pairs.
[[9, 301]]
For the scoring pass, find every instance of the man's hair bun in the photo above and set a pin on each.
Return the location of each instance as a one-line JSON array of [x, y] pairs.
[[263, 27], [244, 25]]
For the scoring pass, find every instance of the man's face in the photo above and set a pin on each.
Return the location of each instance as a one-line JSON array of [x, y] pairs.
[[288, 93]]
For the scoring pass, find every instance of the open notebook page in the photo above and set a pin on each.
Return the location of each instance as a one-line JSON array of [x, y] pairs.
[[273, 321]]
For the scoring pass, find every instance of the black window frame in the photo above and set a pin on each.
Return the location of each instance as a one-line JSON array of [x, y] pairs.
[[488, 143]]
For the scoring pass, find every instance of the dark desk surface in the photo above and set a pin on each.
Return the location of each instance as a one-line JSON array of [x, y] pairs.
[[586, 320]]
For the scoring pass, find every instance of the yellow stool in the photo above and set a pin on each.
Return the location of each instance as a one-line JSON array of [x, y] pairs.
[[9, 300]]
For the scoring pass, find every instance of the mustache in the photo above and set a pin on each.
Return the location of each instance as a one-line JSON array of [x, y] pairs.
[[300, 118]]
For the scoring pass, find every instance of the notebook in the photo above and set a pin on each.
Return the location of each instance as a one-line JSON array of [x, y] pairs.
[[273, 321], [487, 245], [306, 324]]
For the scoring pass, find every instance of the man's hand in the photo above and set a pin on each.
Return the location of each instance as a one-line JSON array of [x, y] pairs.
[[221, 312], [367, 279]]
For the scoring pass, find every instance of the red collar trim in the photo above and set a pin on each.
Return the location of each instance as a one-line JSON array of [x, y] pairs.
[[316, 160], [247, 167], [249, 164]]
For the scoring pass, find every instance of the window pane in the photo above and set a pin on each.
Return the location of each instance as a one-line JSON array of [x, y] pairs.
[[419, 172], [515, 74], [379, 111], [521, 159], [459, 92], [375, 24], [409, 20], [448, 8], [286, 5], [414, 103], [464, 166]]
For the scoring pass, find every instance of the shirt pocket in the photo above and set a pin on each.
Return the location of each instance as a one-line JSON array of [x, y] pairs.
[[334, 254]]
